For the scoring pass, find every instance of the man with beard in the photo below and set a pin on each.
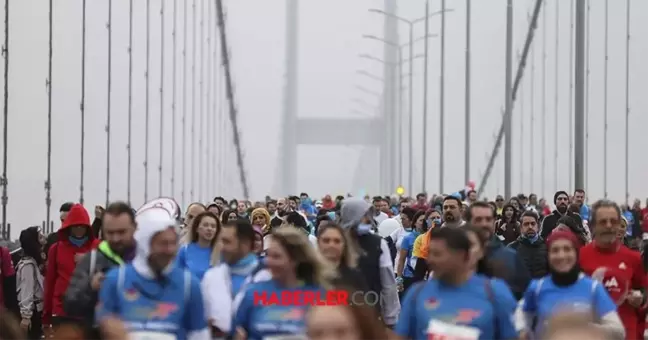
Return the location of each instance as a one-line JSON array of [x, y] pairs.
[[530, 247], [619, 268], [117, 248], [549, 223], [452, 210], [502, 261]]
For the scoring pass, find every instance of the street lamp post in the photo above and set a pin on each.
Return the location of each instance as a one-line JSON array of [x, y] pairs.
[[411, 24], [400, 74]]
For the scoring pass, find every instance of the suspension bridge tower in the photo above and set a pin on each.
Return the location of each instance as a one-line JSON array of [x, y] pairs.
[[371, 132]]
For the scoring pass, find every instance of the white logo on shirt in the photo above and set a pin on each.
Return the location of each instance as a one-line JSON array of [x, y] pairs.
[[622, 265], [611, 283]]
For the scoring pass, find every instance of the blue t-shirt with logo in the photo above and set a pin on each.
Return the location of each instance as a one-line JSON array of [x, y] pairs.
[[195, 258], [153, 308], [543, 298], [261, 321], [479, 308], [408, 245]]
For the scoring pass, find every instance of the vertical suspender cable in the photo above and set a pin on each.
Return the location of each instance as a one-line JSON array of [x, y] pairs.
[[587, 93], [184, 105], [201, 100], [109, 107], [161, 98], [627, 103], [147, 109], [218, 161], [209, 176], [522, 135], [173, 100], [516, 85], [233, 115], [543, 140], [556, 90], [532, 114], [82, 105], [193, 102], [571, 92], [5, 113], [605, 100], [129, 169], [48, 85]]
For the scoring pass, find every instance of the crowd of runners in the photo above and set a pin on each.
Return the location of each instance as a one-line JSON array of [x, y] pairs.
[[449, 267]]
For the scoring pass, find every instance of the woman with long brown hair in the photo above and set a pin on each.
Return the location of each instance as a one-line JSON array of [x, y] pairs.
[[201, 250]]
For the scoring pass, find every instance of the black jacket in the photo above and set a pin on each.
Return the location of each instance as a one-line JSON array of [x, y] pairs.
[[549, 223], [80, 299], [534, 256]]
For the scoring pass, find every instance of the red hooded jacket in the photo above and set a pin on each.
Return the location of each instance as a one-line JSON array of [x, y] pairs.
[[61, 261]]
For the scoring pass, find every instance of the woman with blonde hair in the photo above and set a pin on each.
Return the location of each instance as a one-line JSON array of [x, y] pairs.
[[201, 250], [260, 217], [295, 267]]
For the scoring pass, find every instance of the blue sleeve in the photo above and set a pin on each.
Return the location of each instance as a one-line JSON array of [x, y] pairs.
[[242, 317], [180, 258], [406, 244], [195, 316], [406, 325], [602, 301], [529, 304], [505, 310], [108, 296]]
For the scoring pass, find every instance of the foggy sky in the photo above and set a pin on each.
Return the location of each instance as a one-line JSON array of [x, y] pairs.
[[330, 40]]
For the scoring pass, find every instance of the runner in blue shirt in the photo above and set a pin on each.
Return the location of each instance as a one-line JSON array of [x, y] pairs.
[[567, 289], [295, 267], [456, 302]]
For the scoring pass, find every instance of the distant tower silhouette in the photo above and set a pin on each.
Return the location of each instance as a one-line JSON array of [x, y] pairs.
[[374, 131]]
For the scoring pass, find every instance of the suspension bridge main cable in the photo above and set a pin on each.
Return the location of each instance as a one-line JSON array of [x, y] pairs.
[[48, 86], [5, 113], [174, 95], [233, 114], [129, 166], [147, 109], [82, 104], [109, 103], [161, 165], [518, 78]]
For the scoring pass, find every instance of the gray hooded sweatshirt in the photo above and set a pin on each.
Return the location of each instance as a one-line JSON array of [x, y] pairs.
[[351, 214]]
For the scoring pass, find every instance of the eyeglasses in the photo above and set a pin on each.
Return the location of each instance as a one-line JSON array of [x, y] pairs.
[[499, 200]]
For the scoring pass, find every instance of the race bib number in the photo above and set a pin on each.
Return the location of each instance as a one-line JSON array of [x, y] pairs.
[[150, 335], [439, 330], [286, 337]]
